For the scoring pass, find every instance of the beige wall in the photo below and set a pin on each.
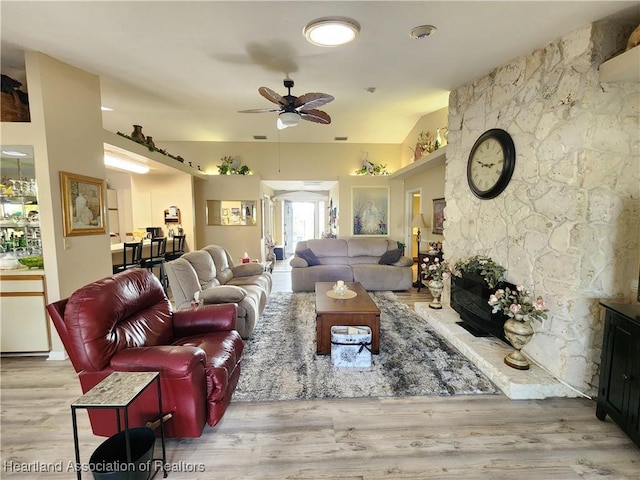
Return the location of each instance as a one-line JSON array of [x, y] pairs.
[[66, 133]]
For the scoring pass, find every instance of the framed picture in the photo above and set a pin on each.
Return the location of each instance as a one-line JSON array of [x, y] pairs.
[[438, 215], [83, 205], [370, 211]]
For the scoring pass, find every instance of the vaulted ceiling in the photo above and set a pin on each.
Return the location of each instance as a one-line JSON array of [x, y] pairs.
[[183, 69]]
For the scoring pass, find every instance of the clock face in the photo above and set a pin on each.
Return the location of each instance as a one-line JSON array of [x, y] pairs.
[[491, 163]]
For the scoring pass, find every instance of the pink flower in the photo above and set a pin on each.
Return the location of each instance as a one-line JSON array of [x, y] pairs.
[[539, 304], [433, 267], [424, 266], [493, 300], [520, 288], [514, 308]]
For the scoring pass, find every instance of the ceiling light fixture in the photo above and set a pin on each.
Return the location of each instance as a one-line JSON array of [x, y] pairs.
[[121, 164], [423, 31], [287, 119], [331, 31]]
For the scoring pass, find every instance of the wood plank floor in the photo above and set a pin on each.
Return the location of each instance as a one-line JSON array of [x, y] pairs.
[[464, 437]]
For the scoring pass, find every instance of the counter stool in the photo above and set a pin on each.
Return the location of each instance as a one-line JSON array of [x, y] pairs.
[[157, 251], [131, 256], [177, 248]]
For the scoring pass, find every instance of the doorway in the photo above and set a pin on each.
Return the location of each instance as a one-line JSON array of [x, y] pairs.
[[303, 220]]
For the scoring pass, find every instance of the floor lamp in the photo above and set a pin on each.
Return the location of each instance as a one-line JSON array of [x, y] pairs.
[[418, 222]]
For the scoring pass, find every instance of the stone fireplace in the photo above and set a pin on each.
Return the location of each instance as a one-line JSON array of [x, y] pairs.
[[567, 225]]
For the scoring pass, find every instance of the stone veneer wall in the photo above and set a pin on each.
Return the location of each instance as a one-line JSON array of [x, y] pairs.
[[567, 225]]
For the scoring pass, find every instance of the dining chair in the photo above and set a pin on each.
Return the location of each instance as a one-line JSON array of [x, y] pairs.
[[177, 248], [131, 256], [155, 258]]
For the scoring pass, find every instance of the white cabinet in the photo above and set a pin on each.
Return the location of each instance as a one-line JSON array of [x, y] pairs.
[[24, 327]]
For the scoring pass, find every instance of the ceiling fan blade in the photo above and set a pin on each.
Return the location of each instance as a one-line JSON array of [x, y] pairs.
[[310, 101], [317, 116], [273, 96], [259, 110]]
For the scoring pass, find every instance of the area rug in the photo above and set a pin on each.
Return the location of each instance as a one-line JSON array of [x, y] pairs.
[[280, 361]]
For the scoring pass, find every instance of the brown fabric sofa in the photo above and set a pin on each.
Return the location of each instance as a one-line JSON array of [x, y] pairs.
[[351, 260]]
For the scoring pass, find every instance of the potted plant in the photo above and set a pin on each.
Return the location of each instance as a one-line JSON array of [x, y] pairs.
[[435, 272], [482, 266], [518, 304]]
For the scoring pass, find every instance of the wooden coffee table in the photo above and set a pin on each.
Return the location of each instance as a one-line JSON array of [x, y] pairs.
[[357, 311]]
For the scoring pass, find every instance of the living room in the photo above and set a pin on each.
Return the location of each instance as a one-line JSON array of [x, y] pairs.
[[567, 228]]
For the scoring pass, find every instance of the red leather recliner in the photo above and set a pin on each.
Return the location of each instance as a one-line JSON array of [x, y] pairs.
[[126, 323]]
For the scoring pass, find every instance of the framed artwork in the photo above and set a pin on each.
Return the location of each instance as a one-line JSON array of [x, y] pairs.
[[83, 205], [438, 215], [370, 211]]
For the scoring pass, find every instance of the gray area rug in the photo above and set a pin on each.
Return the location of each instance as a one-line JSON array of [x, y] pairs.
[[280, 361]]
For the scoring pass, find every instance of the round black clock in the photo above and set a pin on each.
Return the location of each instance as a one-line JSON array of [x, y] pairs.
[[491, 163]]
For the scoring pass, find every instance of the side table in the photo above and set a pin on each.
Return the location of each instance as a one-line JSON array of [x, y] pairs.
[[118, 391]]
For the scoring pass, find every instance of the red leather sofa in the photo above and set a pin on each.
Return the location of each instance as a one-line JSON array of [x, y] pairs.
[[126, 323]]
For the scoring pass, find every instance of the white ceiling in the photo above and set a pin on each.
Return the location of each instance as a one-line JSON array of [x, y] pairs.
[[183, 69]]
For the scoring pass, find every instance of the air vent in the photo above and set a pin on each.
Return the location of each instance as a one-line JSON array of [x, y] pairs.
[[259, 137], [340, 139]]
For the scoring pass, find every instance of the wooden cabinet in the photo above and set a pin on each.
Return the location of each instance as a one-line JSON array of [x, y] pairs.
[[25, 326], [619, 388]]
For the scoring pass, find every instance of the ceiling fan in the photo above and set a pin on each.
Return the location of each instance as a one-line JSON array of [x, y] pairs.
[[293, 108]]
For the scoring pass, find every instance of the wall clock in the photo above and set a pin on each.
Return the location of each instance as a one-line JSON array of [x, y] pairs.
[[491, 163]]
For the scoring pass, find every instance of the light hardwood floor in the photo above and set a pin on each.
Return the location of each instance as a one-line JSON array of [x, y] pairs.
[[464, 437]]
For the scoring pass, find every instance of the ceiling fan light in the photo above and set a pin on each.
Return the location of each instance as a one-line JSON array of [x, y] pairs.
[[288, 119], [331, 31]]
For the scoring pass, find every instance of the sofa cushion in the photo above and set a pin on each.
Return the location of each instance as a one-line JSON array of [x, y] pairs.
[[183, 280], [327, 247], [390, 257], [367, 247], [203, 265], [308, 255], [223, 294]]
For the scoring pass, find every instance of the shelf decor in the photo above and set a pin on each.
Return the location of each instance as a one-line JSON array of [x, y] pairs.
[[83, 205], [147, 142], [231, 166]]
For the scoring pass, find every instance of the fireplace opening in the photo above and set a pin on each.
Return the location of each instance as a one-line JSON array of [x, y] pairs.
[[469, 298]]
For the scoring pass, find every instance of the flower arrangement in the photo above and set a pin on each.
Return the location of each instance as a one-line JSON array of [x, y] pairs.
[[483, 266], [231, 165], [435, 270], [518, 304]]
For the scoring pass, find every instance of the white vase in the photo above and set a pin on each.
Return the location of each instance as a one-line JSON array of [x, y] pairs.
[[435, 287], [519, 334]]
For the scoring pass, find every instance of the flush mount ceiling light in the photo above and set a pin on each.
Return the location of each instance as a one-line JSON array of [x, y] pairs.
[[423, 31], [121, 164], [287, 119], [331, 31]]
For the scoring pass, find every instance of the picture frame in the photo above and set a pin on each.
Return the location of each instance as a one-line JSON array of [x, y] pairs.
[[83, 205], [438, 215], [370, 211]]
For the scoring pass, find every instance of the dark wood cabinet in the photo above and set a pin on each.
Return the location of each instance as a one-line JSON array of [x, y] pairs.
[[619, 388]]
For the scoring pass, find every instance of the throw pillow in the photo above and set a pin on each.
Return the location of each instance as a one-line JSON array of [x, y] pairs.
[[308, 255], [390, 257]]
